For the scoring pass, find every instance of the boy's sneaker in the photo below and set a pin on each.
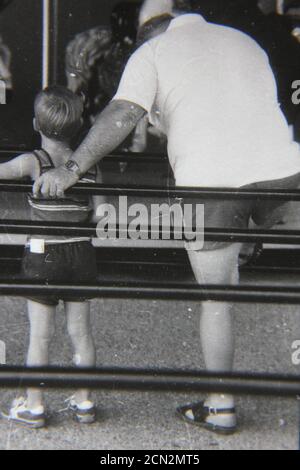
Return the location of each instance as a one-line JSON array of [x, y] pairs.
[[21, 414], [85, 412]]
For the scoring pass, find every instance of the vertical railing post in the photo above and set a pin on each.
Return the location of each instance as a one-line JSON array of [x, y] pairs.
[[46, 43]]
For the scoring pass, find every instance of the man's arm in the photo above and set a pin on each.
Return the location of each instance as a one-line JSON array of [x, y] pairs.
[[111, 128]]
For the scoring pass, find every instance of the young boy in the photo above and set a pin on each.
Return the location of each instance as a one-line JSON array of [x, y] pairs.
[[58, 119]]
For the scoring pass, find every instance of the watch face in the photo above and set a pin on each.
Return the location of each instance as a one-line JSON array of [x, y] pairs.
[[72, 166]]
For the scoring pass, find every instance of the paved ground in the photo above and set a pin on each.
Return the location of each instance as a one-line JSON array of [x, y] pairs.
[[163, 334]]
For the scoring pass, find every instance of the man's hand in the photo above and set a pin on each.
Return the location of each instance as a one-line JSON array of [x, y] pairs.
[[54, 183]]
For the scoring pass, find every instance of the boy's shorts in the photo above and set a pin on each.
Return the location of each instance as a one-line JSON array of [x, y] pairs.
[[61, 263], [236, 213]]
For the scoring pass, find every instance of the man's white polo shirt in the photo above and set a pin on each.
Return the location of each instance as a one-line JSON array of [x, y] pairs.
[[211, 90]]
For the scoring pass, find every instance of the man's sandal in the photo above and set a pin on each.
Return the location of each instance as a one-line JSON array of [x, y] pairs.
[[197, 414]]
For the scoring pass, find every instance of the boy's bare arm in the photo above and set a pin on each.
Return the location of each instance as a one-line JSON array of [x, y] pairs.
[[23, 166]]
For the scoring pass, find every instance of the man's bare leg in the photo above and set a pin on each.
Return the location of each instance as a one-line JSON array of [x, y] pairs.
[[216, 325]]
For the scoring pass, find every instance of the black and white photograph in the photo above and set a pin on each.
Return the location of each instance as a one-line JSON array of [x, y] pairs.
[[149, 227]]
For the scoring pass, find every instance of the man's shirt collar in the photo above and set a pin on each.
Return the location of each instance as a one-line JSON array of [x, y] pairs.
[[188, 18]]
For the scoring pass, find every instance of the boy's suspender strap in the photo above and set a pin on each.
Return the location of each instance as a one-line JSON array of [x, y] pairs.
[[44, 160]]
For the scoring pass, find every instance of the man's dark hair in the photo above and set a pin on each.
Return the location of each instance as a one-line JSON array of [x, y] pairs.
[[151, 25], [58, 113]]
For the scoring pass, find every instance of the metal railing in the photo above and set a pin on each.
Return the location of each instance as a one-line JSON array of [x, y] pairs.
[[168, 380]]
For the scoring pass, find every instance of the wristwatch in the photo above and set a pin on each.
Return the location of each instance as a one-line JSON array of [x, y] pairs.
[[73, 167]]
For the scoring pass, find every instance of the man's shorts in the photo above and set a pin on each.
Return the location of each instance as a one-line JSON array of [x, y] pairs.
[[61, 263], [236, 214]]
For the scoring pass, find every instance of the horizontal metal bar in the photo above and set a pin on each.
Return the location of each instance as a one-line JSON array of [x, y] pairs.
[[163, 192], [143, 157], [129, 264], [126, 157], [19, 227], [133, 290], [151, 380]]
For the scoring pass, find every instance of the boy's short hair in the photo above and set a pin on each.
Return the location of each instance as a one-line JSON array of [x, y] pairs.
[[58, 113]]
